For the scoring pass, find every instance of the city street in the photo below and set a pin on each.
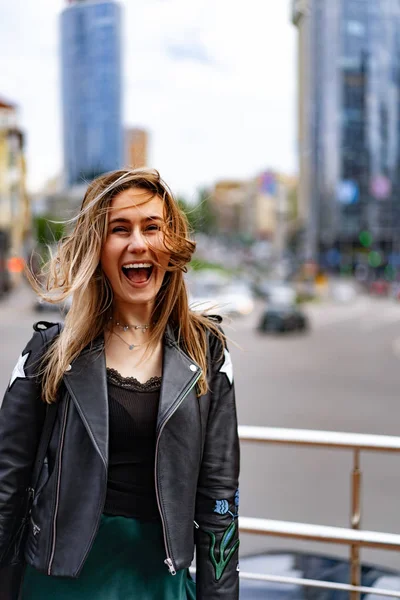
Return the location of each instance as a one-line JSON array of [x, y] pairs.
[[343, 375]]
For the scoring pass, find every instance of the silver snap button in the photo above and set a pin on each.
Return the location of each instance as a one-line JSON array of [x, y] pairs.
[[193, 368], [68, 368]]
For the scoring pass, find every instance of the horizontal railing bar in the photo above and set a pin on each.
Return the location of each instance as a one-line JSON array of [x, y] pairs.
[[317, 438], [320, 533], [314, 583]]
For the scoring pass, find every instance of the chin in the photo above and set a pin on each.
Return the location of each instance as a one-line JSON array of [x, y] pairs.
[[138, 297]]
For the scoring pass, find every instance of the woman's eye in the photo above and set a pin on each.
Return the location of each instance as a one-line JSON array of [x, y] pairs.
[[118, 229], [153, 228]]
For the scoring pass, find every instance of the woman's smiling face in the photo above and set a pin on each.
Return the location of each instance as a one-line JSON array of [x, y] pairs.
[[134, 257]]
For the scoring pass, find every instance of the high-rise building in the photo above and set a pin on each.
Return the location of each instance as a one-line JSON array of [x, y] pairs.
[[349, 128], [91, 89]]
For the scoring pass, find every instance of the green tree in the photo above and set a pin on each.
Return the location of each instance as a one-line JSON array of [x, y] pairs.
[[46, 230], [205, 216], [201, 215]]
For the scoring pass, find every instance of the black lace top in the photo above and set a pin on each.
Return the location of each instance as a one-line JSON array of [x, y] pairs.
[[133, 408]]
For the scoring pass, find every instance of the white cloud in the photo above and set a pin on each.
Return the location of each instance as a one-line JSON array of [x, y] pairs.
[[213, 80]]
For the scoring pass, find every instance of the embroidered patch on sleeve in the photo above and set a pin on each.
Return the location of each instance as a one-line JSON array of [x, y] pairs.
[[222, 507], [19, 369], [237, 500], [227, 366], [221, 564]]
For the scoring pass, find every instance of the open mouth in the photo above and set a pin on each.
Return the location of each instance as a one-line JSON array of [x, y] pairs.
[[138, 272]]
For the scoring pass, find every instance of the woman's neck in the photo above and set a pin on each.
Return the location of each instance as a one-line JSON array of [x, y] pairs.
[[132, 315]]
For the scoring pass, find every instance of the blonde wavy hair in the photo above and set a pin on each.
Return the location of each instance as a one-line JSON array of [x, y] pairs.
[[75, 269]]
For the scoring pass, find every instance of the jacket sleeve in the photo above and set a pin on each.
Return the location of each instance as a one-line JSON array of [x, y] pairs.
[[217, 499], [22, 415]]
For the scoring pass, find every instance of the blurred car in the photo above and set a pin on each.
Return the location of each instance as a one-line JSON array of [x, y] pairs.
[[203, 294], [395, 290], [379, 287], [343, 291], [271, 288], [233, 299], [309, 566], [281, 318], [236, 300]]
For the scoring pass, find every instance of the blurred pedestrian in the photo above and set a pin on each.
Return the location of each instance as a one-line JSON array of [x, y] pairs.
[[118, 434]]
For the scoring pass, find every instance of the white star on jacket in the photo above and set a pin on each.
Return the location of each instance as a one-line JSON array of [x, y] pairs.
[[227, 367], [19, 369]]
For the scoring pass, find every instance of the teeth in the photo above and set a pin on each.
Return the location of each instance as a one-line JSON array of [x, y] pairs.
[[138, 266]]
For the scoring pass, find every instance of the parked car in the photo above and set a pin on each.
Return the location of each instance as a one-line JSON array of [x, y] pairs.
[[309, 566], [236, 300], [281, 318], [233, 298], [379, 287], [271, 288]]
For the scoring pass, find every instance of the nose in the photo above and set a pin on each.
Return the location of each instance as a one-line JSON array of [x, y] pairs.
[[137, 243]]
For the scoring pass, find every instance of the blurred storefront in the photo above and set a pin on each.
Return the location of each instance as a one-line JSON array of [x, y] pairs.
[[262, 208], [229, 199], [14, 202]]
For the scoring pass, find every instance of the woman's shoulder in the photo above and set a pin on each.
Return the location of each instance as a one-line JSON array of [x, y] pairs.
[[215, 334], [47, 326], [47, 330], [44, 332]]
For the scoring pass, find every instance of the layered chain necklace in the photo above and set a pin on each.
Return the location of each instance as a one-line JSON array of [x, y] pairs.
[[125, 327], [144, 328]]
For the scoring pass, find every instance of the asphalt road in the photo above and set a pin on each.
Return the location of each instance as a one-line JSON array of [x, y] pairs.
[[342, 376]]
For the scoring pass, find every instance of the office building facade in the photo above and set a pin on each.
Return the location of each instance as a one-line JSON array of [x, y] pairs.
[[349, 127], [91, 89]]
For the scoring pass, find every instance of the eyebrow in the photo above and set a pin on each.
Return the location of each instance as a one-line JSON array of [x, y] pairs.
[[124, 220]]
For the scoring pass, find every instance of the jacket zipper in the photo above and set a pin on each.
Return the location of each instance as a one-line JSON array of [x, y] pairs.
[[105, 482], [31, 497], [53, 548], [35, 528], [168, 561]]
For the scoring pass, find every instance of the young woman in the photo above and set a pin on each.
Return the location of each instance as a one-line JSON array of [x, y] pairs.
[[142, 461]]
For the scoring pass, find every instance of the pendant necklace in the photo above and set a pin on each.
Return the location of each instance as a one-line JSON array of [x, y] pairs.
[[130, 346], [144, 328]]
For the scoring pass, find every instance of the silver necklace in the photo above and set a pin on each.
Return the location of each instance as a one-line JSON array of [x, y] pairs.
[[143, 328], [130, 346]]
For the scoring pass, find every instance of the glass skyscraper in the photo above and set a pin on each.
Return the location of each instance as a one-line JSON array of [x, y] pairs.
[[349, 113], [91, 89]]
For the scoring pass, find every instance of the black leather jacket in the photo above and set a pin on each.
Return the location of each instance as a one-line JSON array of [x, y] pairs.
[[196, 466]]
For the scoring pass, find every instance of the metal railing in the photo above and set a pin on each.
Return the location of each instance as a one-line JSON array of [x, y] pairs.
[[354, 537]]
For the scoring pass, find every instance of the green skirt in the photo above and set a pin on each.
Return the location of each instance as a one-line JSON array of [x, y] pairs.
[[126, 562]]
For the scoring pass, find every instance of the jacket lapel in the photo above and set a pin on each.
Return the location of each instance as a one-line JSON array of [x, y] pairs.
[[178, 375], [86, 381]]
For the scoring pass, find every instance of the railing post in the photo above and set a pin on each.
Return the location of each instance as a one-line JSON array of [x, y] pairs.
[[355, 567]]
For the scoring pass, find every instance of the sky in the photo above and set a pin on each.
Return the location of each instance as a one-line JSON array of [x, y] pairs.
[[214, 82]]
